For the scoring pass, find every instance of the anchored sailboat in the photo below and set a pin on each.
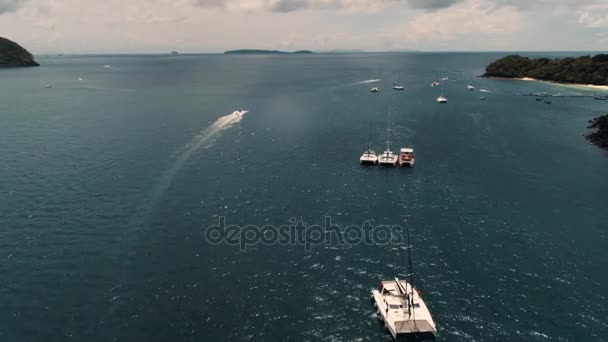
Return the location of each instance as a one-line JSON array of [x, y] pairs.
[[388, 158], [400, 306], [369, 157]]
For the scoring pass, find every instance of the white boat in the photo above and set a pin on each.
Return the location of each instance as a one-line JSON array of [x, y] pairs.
[[388, 158], [375, 89], [107, 66], [369, 157], [406, 157], [435, 84], [397, 86], [80, 79], [401, 307], [445, 78], [441, 99], [239, 112], [470, 87]]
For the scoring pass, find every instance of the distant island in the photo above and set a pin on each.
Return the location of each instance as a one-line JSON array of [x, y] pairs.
[[581, 70], [13, 55], [264, 52], [599, 137]]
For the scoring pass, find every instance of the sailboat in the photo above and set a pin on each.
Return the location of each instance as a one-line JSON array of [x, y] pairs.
[[369, 157], [400, 306], [397, 86], [388, 158]]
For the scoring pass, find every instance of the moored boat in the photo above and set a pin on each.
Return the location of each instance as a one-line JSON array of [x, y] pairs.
[[406, 157], [375, 89]]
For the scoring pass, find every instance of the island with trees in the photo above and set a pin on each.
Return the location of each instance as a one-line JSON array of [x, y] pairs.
[[264, 52], [13, 55], [600, 136], [581, 70]]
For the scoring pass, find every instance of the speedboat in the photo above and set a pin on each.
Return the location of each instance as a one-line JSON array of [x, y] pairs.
[[441, 99], [397, 86], [470, 87], [435, 84], [406, 157], [239, 112], [375, 89]]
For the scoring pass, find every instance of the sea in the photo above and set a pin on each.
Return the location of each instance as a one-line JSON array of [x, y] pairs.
[[117, 170]]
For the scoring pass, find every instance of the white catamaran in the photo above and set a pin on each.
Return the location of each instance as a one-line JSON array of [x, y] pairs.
[[369, 157], [400, 306]]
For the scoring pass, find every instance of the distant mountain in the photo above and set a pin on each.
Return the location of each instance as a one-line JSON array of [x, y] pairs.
[[264, 52], [13, 55], [581, 70]]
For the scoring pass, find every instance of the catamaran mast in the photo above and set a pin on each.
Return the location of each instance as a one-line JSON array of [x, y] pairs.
[[388, 130], [409, 256]]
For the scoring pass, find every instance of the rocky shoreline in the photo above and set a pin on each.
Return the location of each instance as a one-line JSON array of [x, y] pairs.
[[13, 55], [599, 137]]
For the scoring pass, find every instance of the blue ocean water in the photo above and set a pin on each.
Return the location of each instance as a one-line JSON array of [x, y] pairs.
[[109, 183]]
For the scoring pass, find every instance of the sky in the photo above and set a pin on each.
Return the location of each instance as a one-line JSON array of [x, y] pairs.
[[200, 26]]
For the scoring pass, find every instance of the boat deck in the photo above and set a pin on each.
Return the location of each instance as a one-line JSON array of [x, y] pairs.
[[413, 327]]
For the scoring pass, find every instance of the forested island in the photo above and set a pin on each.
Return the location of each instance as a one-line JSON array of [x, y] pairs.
[[600, 136], [265, 52], [581, 70], [13, 55]]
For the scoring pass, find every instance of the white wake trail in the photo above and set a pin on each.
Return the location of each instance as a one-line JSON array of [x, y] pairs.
[[368, 81], [138, 222]]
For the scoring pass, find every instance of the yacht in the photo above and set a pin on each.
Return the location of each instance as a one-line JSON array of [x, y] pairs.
[[375, 89], [470, 87], [406, 157], [388, 158], [369, 157], [401, 307], [435, 84], [397, 86]]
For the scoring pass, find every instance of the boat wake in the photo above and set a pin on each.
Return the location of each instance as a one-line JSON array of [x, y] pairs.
[[138, 222], [484, 91], [368, 81]]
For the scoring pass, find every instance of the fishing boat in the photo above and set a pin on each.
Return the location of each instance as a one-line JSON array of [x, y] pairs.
[[388, 158], [401, 308], [406, 157], [369, 157], [375, 89]]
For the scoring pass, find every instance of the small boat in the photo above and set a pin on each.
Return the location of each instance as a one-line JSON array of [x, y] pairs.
[[470, 87], [483, 98], [441, 99], [539, 99], [401, 307], [406, 157], [239, 112], [388, 158], [369, 157], [375, 89], [600, 98], [548, 101], [107, 66], [397, 86], [435, 84], [49, 86], [445, 78], [80, 79]]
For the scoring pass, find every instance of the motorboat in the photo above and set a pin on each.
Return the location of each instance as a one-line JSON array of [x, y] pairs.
[[397, 86], [441, 99], [470, 87], [406, 157]]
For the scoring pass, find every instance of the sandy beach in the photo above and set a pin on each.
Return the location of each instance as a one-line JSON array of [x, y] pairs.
[[570, 85]]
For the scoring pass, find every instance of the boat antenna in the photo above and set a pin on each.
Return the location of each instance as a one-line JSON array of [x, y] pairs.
[[409, 256], [388, 129], [369, 137]]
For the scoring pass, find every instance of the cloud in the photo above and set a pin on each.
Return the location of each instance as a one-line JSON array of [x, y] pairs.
[[285, 6], [10, 5], [594, 16]]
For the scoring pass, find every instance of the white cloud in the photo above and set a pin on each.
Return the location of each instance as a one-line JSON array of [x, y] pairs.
[[594, 16]]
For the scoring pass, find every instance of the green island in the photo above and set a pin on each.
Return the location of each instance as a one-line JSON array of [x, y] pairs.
[[13, 55], [581, 70], [600, 136], [264, 52]]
